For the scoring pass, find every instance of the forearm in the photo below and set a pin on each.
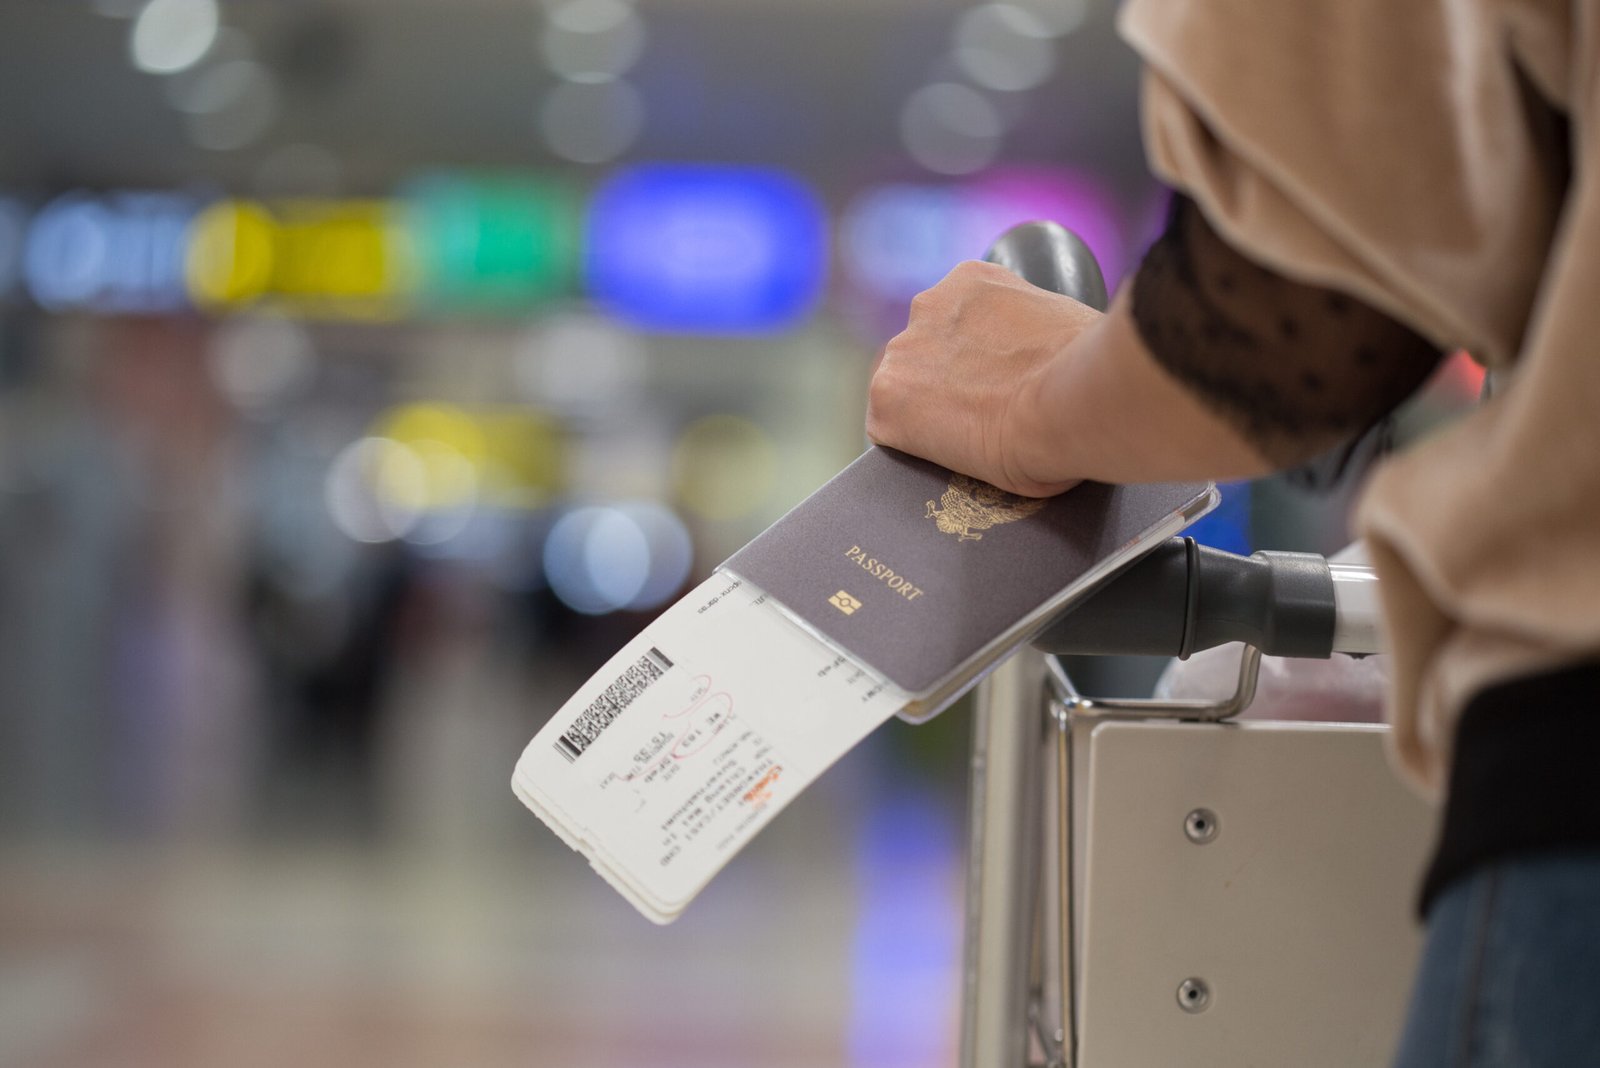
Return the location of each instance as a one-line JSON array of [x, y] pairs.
[[1103, 409], [1212, 366], [1207, 366]]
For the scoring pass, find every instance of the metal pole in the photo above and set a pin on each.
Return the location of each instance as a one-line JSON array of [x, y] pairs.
[[1002, 863]]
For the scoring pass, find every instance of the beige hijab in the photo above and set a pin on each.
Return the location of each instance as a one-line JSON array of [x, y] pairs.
[[1403, 152]]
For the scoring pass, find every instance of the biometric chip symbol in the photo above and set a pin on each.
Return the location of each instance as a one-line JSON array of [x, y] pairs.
[[845, 603]]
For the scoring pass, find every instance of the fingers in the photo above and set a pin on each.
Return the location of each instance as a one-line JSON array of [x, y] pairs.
[[947, 385], [924, 396]]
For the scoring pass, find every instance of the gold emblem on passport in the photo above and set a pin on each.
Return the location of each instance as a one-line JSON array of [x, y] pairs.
[[844, 603], [969, 506]]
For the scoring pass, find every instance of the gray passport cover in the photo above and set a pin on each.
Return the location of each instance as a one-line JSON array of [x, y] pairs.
[[916, 571]]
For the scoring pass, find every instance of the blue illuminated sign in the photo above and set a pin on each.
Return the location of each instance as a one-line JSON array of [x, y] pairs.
[[702, 249], [900, 239], [1228, 526], [120, 253]]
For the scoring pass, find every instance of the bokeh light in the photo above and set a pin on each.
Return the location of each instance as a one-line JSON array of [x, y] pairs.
[[583, 365], [900, 239], [596, 560], [671, 554], [183, 89], [440, 504], [215, 87], [1057, 17], [173, 35], [1227, 527], [450, 447], [502, 456], [706, 249], [591, 122], [362, 483], [526, 463], [724, 467], [1075, 198], [230, 105], [323, 258], [605, 558], [232, 254], [592, 40], [262, 362], [1004, 47], [69, 251], [491, 242], [421, 485], [341, 257], [1464, 375], [119, 253], [951, 128]]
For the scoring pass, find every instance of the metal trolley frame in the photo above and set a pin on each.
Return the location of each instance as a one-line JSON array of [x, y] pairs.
[[1099, 932], [1291, 929]]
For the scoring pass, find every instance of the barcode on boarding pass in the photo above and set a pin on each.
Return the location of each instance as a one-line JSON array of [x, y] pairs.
[[609, 705]]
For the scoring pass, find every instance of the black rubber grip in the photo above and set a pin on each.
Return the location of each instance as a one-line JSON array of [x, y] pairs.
[[1051, 257], [1185, 597]]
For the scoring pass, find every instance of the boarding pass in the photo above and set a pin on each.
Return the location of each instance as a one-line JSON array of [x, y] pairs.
[[692, 737]]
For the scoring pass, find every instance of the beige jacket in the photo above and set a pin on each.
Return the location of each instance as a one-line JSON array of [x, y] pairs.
[[1400, 150]]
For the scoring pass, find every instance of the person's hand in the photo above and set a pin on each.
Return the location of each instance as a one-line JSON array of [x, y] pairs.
[[959, 386]]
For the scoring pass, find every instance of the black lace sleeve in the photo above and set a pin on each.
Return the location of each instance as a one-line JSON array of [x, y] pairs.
[[1297, 368]]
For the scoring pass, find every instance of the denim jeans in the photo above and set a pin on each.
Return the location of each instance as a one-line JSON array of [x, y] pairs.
[[1510, 973]]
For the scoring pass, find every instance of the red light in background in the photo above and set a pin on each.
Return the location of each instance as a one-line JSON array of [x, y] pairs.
[[1463, 374]]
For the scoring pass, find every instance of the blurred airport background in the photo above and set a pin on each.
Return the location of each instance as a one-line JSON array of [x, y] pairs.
[[369, 371]]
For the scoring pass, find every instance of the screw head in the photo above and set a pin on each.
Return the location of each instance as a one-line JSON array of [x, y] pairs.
[[1194, 996], [1200, 826]]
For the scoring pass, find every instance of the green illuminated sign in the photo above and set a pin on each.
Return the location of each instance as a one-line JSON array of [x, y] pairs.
[[490, 242]]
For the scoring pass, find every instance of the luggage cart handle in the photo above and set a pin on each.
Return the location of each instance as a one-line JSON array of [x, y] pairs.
[[1184, 597], [1050, 256]]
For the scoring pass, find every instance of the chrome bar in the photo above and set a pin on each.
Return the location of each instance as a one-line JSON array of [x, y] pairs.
[[1063, 1048], [1125, 708], [1003, 862]]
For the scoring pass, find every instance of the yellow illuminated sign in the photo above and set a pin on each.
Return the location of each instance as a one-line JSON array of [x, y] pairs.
[[232, 249], [331, 258], [502, 457]]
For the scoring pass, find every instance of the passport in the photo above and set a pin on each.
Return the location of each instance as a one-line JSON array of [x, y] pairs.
[[891, 590], [929, 577]]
